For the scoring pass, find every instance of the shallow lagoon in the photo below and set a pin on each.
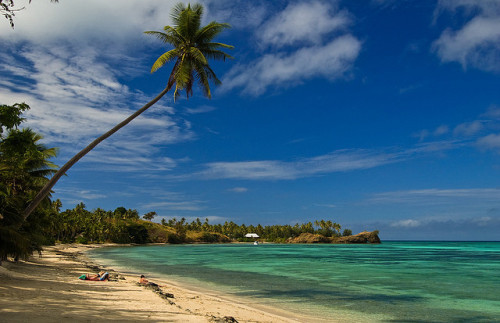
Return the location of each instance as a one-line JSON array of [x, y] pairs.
[[390, 282]]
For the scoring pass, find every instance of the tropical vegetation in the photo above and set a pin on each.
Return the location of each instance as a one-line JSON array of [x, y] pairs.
[[126, 226], [25, 167]]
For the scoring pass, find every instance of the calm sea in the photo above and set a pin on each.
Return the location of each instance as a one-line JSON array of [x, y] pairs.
[[390, 282]]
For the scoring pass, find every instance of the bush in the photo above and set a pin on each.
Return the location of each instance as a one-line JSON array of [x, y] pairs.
[[174, 238], [81, 239], [347, 232], [137, 233]]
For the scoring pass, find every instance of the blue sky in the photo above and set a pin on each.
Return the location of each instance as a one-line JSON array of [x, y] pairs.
[[374, 114]]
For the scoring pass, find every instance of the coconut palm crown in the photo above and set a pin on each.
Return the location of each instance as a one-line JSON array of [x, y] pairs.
[[193, 47]]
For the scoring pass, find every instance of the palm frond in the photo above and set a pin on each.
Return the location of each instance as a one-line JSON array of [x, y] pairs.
[[211, 75], [167, 38], [203, 79], [215, 54], [197, 55], [216, 46], [163, 59], [188, 23], [176, 13], [210, 31]]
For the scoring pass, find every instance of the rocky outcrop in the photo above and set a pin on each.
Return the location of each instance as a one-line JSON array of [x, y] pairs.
[[309, 238], [363, 237]]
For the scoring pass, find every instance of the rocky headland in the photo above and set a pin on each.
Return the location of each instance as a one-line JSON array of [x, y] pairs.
[[362, 237]]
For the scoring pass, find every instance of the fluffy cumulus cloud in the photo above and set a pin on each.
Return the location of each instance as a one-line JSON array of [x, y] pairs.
[[331, 61], [311, 39], [477, 42], [301, 23]]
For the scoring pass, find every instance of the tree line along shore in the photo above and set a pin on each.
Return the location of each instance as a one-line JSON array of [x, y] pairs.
[[79, 225]]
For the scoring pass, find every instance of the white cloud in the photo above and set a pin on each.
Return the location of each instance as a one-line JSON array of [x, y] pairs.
[[344, 160], [450, 196], [303, 22], [175, 205], [441, 130], [493, 113], [66, 87], [317, 45], [201, 109], [88, 21], [338, 161], [468, 128], [406, 223], [477, 42], [75, 96], [491, 141], [238, 189], [240, 14], [81, 194], [331, 61], [62, 60]]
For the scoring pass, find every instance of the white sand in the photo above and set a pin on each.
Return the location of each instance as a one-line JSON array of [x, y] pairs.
[[47, 289]]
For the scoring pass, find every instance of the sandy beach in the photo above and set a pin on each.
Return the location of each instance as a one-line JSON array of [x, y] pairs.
[[47, 289]]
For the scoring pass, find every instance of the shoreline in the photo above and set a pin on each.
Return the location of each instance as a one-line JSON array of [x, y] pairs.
[[47, 289]]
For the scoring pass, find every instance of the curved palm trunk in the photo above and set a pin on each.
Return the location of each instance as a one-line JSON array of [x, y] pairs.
[[46, 189]]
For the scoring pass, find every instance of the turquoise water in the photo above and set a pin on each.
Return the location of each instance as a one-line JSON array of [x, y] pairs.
[[390, 282]]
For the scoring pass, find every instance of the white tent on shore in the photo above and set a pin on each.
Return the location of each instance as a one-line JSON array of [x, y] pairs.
[[251, 235]]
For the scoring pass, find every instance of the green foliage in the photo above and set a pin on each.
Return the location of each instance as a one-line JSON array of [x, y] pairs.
[[137, 233], [24, 168], [347, 232], [149, 216], [10, 116]]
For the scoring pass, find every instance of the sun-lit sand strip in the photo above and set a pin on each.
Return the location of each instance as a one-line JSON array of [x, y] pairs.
[[47, 289]]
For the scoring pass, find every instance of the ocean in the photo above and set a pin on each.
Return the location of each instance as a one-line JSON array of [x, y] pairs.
[[396, 281]]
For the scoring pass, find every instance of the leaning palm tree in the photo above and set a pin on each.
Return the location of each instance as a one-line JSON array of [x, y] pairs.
[[193, 46]]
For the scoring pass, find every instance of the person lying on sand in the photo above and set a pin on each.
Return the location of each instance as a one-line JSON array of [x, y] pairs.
[[144, 281], [102, 276]]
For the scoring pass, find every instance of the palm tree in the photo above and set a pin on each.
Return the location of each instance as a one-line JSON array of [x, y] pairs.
[[24, 169], [193, 46]]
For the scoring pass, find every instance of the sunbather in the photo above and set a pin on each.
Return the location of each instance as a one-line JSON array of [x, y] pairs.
[[144, 281], [102, 276]]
